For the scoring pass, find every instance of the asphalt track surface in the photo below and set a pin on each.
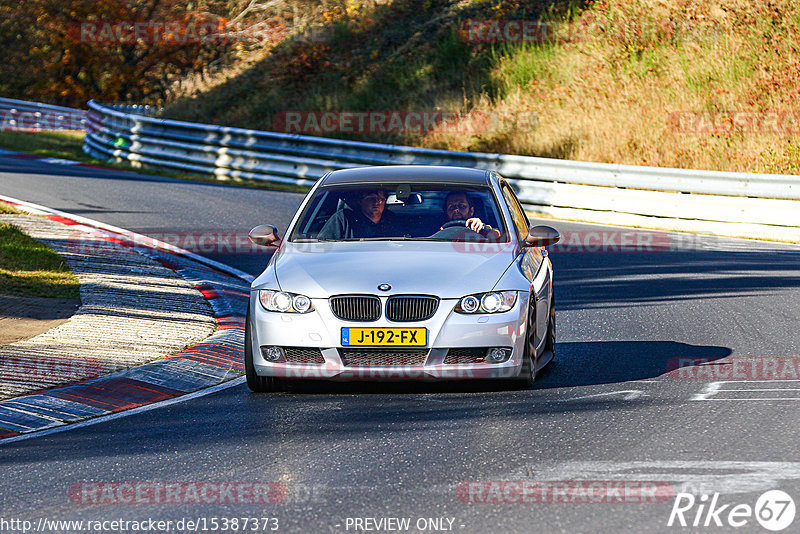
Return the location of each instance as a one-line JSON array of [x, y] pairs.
[[606, 411]]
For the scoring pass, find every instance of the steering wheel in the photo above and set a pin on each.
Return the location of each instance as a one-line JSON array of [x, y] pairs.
[[455, 222], [457, 230]]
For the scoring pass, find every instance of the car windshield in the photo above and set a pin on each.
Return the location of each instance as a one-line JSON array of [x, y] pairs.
[[397, 211]]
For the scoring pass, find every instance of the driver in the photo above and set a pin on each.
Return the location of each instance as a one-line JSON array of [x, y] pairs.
[[457, 206]]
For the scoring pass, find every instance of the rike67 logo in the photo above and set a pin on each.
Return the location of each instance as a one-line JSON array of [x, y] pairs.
[[774, 510]]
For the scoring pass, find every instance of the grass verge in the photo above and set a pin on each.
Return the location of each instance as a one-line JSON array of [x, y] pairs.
[[57, 144], [30, 268], [8, 209]]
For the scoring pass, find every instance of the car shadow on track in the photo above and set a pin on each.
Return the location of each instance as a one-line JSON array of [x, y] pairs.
[[584, 363], [577, 364]]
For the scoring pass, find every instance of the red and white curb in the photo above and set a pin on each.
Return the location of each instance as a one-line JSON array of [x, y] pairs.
[[211, 365]]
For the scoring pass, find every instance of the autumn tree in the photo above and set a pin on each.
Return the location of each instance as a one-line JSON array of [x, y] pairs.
[[134, 51]]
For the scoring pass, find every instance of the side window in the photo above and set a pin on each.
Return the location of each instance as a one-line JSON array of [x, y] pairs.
[[322, 207], [517, 214]]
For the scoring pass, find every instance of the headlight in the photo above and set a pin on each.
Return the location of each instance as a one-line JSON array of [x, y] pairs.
[[281, 301], [492, 302]]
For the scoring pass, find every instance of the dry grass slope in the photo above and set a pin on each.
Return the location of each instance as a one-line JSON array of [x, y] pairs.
[[707, 84]]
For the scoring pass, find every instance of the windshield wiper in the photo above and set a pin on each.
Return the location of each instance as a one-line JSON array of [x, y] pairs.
[[404, 238]]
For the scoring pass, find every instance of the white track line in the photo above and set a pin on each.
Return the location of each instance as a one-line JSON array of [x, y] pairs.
[[629, 394], [715, 388]]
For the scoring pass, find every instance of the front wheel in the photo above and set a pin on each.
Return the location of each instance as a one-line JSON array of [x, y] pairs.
[[549, 353], [527, 376], [258, 384], [551, 330]]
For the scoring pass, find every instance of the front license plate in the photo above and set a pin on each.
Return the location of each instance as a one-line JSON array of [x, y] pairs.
[[385, 337]]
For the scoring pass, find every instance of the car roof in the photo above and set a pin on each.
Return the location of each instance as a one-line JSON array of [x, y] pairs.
[[410, 174]]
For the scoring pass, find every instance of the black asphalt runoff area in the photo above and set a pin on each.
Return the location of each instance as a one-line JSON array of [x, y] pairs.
[[363, 457]]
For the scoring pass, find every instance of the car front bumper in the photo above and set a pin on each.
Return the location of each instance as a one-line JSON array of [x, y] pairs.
[[320, 329]]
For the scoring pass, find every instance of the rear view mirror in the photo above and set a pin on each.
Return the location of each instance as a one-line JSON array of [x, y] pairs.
[[265, 235], [403, 195], [413, 199], [542, 236]]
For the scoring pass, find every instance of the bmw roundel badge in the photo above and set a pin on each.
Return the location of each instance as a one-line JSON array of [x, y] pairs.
[[384, 287]]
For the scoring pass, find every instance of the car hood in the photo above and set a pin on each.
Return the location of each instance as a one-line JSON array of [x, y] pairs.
[[448, 270]]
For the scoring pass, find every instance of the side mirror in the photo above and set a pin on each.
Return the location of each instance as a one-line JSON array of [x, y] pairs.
[[541, 236], [265, 235]]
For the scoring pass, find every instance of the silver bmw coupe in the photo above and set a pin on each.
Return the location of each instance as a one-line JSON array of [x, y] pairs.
[[403, 273]]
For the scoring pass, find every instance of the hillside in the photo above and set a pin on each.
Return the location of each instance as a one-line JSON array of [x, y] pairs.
[[678, 83]]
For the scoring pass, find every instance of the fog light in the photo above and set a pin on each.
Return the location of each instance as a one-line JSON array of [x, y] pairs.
[[272, 354], [497, 355]]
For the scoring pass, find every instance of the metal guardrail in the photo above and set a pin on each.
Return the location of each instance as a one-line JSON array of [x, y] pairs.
[[23, 115], [756, 205]]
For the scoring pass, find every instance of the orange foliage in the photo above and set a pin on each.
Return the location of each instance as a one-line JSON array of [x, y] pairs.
[[70, 52]]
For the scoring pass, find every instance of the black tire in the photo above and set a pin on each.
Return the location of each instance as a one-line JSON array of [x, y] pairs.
[[527, 376], [551, 329], [550, 342], [258, 384]]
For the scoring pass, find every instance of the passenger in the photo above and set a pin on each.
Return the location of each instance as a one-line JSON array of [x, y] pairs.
[[457, 206], [368, 219]]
